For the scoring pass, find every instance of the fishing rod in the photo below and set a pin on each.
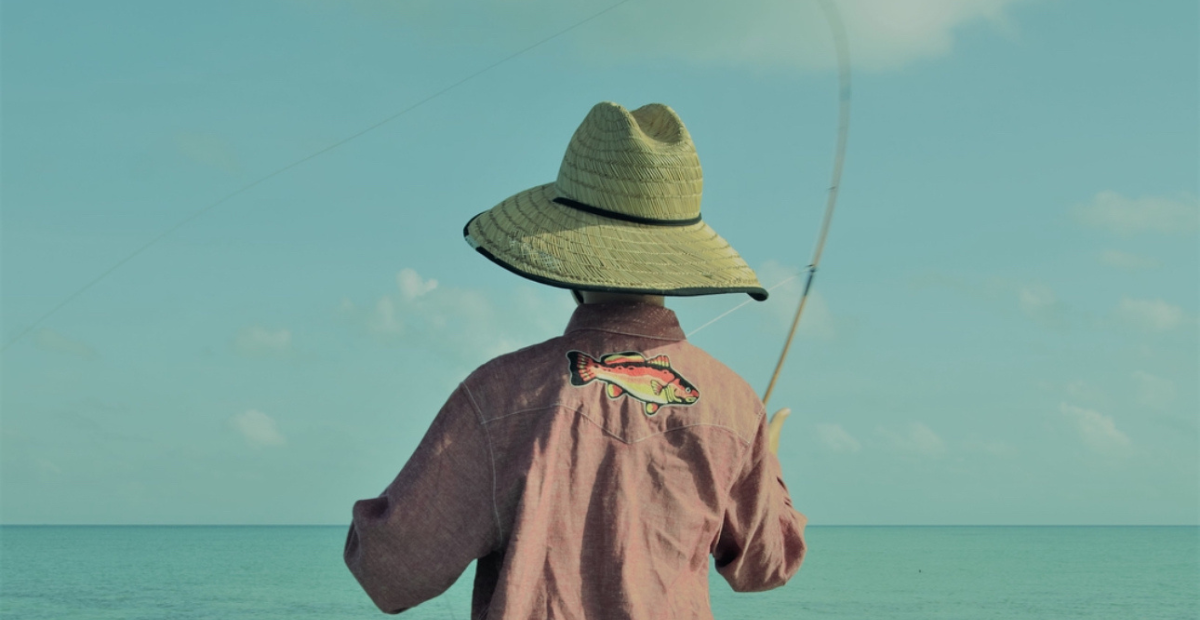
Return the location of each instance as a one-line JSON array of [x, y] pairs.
[[842, 49], [279, 171]]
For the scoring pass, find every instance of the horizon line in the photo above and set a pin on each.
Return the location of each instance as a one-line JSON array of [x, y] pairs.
[[2, 525]]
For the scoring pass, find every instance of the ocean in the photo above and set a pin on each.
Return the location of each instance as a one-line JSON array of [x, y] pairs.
[[859, 573]]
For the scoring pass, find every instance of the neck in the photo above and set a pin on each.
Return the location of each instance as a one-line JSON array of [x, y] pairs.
[[598, 297]]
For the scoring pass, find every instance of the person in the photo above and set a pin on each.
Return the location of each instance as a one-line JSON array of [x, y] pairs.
[[592, 475]]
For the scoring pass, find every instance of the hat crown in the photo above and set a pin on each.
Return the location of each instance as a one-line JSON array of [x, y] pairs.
[[641, 163]]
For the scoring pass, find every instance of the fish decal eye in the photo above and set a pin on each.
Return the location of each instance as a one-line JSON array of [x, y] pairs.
[[651, 381]]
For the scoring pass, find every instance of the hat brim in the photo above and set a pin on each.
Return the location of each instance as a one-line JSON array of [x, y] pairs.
[[536, 238]]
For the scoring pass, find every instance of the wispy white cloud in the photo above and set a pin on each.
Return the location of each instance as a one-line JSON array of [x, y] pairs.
[[1084, 391], [383, 318], [1126, 261], [1114, 212], [1096, 430], [257, 340], [49, 340], [1038, 302], [1152, 315], [412, 285], [466, 323], [755, 34], [258, 428], [817, 322], [837, 439], [916, 439], [1154, 392], [1035, 300], [783, 34]]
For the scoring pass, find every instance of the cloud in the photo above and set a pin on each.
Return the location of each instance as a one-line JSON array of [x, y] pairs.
[[1154, 392], [50, 340], [1152, 315], [411, 285], [916, 439], [817, 321], [210, 150], [383, 319], [386, 317], [258, 428], [1038, 302], [260, 341], [755, 34], [784, 34], [837, 439], [1126, 261], [1111, 211], [1096, 430], [469, 324], [1081, 390], [1035, 300]]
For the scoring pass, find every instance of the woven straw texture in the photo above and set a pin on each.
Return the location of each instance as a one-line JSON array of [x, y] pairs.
[[640, 164]]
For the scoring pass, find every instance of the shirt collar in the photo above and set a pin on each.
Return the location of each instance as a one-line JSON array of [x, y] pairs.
[[633, 319]]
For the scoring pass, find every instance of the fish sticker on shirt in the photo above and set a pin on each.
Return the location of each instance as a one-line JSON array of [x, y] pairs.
[[651, 381]]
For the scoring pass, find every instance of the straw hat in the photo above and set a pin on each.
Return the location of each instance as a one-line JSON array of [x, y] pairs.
[[623, 216]]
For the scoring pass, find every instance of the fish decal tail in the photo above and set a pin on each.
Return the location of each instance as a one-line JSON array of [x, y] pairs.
[[582, 366]]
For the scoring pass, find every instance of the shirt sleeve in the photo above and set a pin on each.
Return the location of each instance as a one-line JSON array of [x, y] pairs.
[[412, 542], [761, 543]]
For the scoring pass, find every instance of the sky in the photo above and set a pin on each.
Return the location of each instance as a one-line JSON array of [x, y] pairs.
[[1004, 329]]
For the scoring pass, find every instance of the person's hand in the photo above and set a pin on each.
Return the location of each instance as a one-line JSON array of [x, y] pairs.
[[774, 427]]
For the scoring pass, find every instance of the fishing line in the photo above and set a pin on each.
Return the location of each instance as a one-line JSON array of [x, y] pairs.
[[739, 306], [302, 160], [842, 48]]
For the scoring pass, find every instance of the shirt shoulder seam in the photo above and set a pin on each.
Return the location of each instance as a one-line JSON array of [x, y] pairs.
[[491, 453], [762, 413]]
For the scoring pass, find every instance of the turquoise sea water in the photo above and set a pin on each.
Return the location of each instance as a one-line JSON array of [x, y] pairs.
[[235, 572]]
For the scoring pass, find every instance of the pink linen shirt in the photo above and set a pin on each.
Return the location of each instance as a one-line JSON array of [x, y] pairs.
[[585, 483]]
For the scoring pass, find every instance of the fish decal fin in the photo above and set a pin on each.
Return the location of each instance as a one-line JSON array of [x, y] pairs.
[[582, 367], [651, 408], [613, 390], [657, 386], [628, 357], [661, 361]]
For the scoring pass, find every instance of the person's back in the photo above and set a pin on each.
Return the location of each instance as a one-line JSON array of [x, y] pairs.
[[603, 503], [591, 475]]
